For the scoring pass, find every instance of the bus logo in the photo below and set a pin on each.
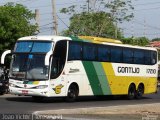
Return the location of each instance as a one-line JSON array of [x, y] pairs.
[[58, 88]]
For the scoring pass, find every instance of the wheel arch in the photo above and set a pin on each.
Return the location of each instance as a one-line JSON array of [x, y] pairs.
[[73, 83]]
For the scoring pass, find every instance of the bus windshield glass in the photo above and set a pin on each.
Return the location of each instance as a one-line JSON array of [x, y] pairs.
[[33, 46], [29, 66], [28, 61]]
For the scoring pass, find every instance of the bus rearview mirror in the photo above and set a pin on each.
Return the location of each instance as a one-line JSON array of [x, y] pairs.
[[4, 55]]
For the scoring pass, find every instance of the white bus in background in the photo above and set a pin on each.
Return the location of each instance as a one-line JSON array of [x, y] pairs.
[[56, 66]]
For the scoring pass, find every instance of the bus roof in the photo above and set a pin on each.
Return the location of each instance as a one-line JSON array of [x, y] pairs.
[[131, 46], [44, 38], [99, 40], [112, 42]]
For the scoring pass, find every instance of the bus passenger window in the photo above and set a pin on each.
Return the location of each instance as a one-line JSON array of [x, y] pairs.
[[127, 55], [103, 54], [89, 52], [138, 57], [116, 54], [74, 52], [147, 57]]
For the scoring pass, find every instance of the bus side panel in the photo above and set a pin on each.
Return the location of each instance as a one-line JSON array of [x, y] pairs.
[[97, 78], [104, 78], [120, 76], [75, 73]]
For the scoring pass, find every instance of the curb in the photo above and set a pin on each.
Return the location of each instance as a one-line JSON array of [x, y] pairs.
[[125, 112], [121, 109]]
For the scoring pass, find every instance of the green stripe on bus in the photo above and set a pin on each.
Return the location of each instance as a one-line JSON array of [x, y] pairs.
[[99, 84], [93, 78], [102, 78], [78, 39], [28, 82], [25, 82]]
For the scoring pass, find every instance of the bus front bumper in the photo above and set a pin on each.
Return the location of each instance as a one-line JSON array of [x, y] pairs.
[[29, 92]]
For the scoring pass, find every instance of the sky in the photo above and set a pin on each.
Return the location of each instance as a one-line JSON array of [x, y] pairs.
[[146, 21]]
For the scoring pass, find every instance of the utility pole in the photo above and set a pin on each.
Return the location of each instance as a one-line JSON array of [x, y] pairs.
[[144, 28], [132, 29], [116, 30], [55, 23], [88, 5], [37, 18]]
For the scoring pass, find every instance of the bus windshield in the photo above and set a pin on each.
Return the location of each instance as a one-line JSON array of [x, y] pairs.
[[28, 61], [29, 66], [33, 46]]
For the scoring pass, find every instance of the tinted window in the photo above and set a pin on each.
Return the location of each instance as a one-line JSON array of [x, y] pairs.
[[127, 55], [41, 47], [147, 57], [153, 57], [139, 57], [58, 59], [23, 46], [106, 53], [116, 54], [103, 53], [89, 52], [74, 51], [28, 46]]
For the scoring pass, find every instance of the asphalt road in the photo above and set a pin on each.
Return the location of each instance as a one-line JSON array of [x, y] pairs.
[[25, 105]]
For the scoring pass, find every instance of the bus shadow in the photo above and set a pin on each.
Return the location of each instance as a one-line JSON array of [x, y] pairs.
[[80, 99]]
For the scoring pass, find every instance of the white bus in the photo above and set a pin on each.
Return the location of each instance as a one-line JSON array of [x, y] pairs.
[[56, 66]]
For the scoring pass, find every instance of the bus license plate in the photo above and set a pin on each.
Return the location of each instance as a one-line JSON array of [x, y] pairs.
[[24, 92]]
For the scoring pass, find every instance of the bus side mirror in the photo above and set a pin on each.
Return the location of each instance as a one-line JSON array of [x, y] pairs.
[[4, 55], [47, 57]]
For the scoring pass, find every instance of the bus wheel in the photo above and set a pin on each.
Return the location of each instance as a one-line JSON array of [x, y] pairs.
[[72, 93], [131, 92], [140, 91]]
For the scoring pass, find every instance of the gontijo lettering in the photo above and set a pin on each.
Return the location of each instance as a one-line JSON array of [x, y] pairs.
[[128, 70]]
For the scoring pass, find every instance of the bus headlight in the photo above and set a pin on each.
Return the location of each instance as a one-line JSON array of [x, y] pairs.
[[42, 87], [12, 85]]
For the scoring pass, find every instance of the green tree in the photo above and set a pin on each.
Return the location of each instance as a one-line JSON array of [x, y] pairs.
[[140, 41], [118, 12], [155, 39], [14, 23], [92, 24]]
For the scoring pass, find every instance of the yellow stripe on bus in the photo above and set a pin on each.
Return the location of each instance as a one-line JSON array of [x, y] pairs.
[[35, 82], [120, 84]]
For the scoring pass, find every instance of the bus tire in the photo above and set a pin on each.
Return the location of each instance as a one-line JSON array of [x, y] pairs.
[[140, 91], [131, 92], [72, 93]]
